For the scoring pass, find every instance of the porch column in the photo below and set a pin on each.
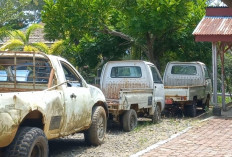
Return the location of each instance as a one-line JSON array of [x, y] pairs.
[[216, 108], [214, 64]]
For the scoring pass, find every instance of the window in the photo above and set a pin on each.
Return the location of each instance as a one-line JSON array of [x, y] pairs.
[[155, 75], [206, 73], [24, 70], [126, 72], [71, 76], [184, 69]]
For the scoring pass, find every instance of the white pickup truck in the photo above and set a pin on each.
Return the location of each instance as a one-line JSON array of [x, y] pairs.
[[132, 88], [187, 86], [44, 97]]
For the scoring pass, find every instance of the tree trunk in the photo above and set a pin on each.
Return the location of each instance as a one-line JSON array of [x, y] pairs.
[[150, 47], [228, 3]]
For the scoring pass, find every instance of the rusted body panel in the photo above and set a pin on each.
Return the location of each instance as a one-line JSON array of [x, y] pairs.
[[59, 106], [184, 93], [186, 82], [130, 85]]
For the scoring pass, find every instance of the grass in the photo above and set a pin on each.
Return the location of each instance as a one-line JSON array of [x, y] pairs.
[[142, 124], [228, 99]]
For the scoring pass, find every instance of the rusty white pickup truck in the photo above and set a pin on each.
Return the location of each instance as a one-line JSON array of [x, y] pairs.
[[187, 85], [44, 97], [132, 88]]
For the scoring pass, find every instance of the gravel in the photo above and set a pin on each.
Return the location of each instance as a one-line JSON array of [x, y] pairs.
[[118, 143]]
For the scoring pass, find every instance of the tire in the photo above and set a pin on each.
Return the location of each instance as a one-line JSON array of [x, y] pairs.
[[129, 120], [28, 142], [191, 110], [156, 118], [206, 104], [95, 135]]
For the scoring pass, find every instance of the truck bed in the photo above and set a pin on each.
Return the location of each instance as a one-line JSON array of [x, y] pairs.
[[139, 96], [183, 93]]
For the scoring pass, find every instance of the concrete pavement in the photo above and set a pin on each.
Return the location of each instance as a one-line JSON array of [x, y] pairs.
[[211, 138]]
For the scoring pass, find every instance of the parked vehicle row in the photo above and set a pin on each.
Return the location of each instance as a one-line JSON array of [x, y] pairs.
[[43, 97]]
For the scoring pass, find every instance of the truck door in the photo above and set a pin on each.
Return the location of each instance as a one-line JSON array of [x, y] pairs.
[[77, 101], [158, 91]]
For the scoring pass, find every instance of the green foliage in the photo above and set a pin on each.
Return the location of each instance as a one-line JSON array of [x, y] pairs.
[[20, 41], [92, 50], [16, 14], [57, 48], [160, 29], [228, 72]]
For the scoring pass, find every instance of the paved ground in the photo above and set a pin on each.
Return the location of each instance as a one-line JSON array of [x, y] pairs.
[[213, 138]]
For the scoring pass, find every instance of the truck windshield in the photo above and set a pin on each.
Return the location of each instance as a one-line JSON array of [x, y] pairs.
[[126, 72], [184, 69]]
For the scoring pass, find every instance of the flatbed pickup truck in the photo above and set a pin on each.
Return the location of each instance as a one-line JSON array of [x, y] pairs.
[[187, 85], [44, 97], [132, 88]]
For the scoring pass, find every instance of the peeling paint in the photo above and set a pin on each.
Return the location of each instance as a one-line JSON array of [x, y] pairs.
[[42, 100], [136, 91]]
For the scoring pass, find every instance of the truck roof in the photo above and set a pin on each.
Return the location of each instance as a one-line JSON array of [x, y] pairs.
[[193, 62], [29, 54], [128, 61]]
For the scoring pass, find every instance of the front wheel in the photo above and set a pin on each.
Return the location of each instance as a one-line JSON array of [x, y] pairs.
[[96, 133], [156, 118], [28, 142], [129, 120]]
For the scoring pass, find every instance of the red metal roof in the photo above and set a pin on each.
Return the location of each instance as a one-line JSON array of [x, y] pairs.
[[214, 29], [214, 26]]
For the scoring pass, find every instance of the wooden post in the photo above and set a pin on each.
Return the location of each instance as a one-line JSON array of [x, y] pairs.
[[221, 51]]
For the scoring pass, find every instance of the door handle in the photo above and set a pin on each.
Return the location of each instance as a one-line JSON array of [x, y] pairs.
[[73, 96]]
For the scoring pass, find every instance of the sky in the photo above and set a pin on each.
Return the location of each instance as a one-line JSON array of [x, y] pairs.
[[216, 3]]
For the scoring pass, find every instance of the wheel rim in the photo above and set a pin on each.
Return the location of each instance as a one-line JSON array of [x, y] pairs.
[[37, 150], [101, 127], [132, 122], [158, 115]]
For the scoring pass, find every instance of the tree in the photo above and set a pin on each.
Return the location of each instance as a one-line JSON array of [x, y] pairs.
[[9, 10], [149, 24], [20, 41], [16, 14]]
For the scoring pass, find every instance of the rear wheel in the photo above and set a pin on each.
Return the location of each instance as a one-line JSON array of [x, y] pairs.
[[28, 142], [156, 118], [191, 110], [96, 133], [129, 120], [206, 104]]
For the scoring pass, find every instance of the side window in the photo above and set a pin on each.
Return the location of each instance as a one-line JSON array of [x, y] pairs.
[[155, 75], [206, 72], [71, 76]]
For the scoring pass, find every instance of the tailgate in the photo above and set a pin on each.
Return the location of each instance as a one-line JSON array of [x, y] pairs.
[[175, 93]]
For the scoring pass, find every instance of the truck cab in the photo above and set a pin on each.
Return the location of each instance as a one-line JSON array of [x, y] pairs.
[[132, 88]]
